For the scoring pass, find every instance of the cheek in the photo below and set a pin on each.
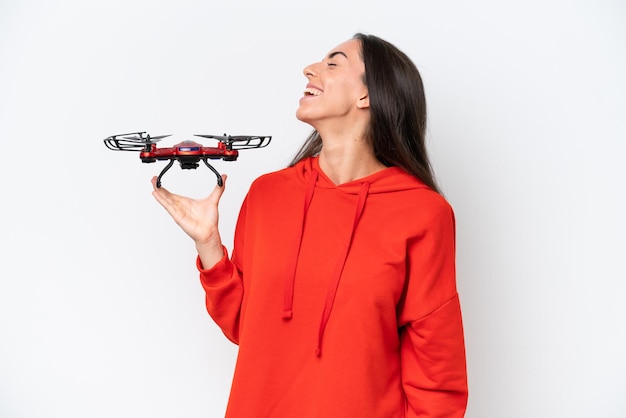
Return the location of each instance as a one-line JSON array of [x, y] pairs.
[[353, 90], [353, 84]]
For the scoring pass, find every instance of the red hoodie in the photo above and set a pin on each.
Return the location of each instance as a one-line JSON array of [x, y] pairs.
[[342, 299]]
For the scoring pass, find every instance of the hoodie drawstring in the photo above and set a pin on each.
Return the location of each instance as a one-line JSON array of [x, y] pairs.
[[293, 260], [334, 280], [287, 312]]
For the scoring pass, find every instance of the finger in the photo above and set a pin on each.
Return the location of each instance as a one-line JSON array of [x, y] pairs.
[[162, 191], [162, 199], [153, 181], [217, 192], [163, 196], [173, 206]]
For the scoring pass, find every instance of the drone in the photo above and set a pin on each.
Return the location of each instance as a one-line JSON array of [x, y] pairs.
[[187, 153]]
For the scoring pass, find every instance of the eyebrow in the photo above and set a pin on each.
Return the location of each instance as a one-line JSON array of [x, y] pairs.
[[334, 54]]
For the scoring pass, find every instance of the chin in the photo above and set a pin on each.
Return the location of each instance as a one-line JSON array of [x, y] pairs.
[[302, 116]]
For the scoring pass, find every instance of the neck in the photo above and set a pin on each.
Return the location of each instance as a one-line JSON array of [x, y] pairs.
[[348, 159]]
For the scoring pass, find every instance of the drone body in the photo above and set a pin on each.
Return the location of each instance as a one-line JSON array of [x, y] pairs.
[[187, 153]]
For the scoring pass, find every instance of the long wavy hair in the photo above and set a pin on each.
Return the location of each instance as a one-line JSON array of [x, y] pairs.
[[397, 128]]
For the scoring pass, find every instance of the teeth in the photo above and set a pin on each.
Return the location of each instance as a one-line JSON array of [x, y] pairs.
[[312, 91]]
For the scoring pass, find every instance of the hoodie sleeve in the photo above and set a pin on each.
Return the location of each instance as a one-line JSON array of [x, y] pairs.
[[432, 346], [223, 285]]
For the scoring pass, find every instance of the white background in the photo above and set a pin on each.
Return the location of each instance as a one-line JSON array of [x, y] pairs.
[[101, 310]]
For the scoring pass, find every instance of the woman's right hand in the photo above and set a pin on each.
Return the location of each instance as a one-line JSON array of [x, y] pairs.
[[198, 218]]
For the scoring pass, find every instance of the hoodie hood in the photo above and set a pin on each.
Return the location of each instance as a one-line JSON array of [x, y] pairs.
[[392, 179]]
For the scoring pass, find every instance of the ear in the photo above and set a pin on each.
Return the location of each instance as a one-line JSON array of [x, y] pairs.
[[364, 102]]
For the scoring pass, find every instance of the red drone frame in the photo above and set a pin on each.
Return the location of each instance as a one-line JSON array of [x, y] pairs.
[[187, 153]]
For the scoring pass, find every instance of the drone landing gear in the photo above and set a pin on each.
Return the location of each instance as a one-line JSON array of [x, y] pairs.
[[167, 167], [220, 182], [190, 165]]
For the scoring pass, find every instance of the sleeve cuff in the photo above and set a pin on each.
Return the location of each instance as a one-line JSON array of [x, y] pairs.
[[218, 270]]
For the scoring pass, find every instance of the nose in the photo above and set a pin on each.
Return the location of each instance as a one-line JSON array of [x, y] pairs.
[[309, 71]]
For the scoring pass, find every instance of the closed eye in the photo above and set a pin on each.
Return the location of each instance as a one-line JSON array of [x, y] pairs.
[[332, 55]]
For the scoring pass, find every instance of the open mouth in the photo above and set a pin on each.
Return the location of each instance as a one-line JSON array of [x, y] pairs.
[[311, 91]]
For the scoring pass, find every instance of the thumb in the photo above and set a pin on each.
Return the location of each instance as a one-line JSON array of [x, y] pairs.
[[217, 192]]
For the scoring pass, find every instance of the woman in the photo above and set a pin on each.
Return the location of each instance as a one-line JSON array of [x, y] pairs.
[[341, 287]]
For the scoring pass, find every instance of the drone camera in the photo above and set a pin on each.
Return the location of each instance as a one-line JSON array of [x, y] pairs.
[[188, 163], [189, 166]]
